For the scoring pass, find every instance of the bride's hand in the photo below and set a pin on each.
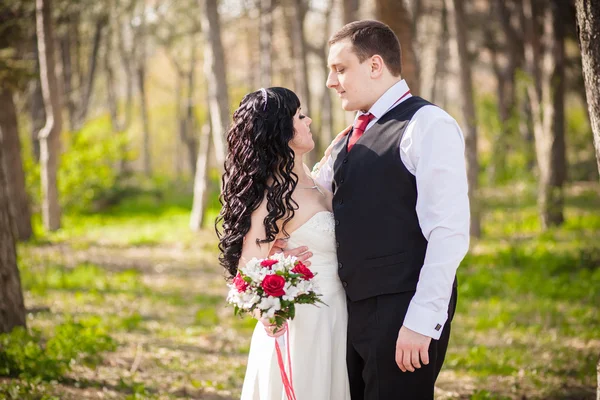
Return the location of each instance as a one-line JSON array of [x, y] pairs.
[[269, 328], [339, 137], [329, 149]]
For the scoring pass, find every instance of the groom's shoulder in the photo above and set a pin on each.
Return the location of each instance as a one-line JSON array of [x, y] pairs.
[[430, 112]]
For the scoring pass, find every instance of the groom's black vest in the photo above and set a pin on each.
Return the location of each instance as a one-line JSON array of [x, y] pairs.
[[380, 245]]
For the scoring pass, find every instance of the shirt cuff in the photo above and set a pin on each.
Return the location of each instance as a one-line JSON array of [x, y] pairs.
[[424, 321]]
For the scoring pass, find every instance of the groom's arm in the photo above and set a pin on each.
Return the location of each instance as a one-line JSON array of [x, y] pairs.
[[435, 155]]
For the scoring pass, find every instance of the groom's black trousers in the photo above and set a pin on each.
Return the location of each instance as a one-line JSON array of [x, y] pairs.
[[373, 326]]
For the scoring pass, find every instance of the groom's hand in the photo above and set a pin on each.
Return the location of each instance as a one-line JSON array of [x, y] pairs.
[[412, 348], [301, 253]]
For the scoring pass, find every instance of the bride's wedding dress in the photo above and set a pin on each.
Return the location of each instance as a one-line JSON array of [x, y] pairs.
[[317, 335]]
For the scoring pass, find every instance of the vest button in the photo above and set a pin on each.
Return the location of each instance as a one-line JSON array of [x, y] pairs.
[[341, 181], [337, 222], [345, 284], [345, 160], [341, 202], [340, 266], [337, 244]]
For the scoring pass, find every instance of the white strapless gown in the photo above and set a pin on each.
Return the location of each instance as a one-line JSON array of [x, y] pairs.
[[317, 335]]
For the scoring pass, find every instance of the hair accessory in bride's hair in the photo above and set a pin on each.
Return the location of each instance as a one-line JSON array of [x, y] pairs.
[[264, 94]]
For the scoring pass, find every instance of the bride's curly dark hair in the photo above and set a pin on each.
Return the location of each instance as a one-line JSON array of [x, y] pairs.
[[259, 160]]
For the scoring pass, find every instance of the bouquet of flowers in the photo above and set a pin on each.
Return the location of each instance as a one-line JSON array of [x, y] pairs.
[[273, 286]]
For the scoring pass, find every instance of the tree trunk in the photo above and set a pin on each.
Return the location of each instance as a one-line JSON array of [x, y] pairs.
[[93, 61], [12, 308], [147, 154], [50, 134], [265, 37], [201, 181], [429, 35], [298, 10], [190, 119], [439, 92], [11, 145], [457, 24], [506, 78], [588, 23], [350, 9], [65, 50], [545, 63], [36, 106], [214, 64], [111, 92], [396, 15], [179, 120]]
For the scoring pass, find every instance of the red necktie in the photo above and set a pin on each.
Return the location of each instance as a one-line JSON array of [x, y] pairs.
[[359, 127]]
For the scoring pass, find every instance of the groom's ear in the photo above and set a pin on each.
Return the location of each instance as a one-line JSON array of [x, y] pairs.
[[377, 65]]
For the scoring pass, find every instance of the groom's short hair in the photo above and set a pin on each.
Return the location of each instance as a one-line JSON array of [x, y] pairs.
[[371, 37]]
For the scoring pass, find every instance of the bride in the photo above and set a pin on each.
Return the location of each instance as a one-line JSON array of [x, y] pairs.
[[269, 194]]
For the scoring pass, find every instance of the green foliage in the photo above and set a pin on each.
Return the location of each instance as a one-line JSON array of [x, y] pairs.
[[580, 150], [26, 390], [27, 355], [84, 277], [88, 171]]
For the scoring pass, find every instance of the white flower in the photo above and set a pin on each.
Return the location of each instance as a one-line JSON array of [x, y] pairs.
[[270, 303], [249, 300], [291, 292]]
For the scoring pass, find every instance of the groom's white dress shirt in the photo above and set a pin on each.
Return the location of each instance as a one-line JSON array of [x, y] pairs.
[[432, 149]]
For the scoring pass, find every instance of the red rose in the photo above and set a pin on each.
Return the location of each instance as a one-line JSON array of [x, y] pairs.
[[240, 284], [268, 263], [303, 270], [273, 285]]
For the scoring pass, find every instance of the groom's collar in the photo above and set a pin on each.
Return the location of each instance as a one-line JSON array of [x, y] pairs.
[[388, 99]]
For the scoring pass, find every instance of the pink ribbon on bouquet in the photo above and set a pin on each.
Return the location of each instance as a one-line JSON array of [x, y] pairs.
[[288, 384]]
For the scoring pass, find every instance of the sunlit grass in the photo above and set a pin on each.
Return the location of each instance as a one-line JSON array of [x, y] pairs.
[[527, 323]]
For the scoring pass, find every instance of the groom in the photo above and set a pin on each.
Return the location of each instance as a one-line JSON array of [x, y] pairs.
[[402, 218]]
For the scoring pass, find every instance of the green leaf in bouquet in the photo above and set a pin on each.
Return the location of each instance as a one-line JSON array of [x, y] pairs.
[[292, 311]]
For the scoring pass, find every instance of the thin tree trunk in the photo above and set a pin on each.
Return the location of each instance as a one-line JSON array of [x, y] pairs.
[[36, 106], [11, 145], [93, 61], [297, 16], [190, 120], [141, 80], [50, 134], [326, 130], [588, 23], [457, 21], [12, 307], [546, 66], [429, 33], [179, 120], [396, 15], [350, 9], [201, 181], [65, 50], [214, 64], [439, 93], [299, 53], [265, 37], [111, 93]]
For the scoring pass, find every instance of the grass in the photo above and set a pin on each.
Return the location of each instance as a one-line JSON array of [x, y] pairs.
[[527, 323]]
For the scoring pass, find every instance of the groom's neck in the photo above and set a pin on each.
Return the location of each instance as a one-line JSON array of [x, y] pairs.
[[380, 87]]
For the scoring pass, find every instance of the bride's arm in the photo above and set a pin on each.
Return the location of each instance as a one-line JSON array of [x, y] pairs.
[[252, 247]]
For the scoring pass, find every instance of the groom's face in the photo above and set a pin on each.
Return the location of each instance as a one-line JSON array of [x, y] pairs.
[[348, 76]]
